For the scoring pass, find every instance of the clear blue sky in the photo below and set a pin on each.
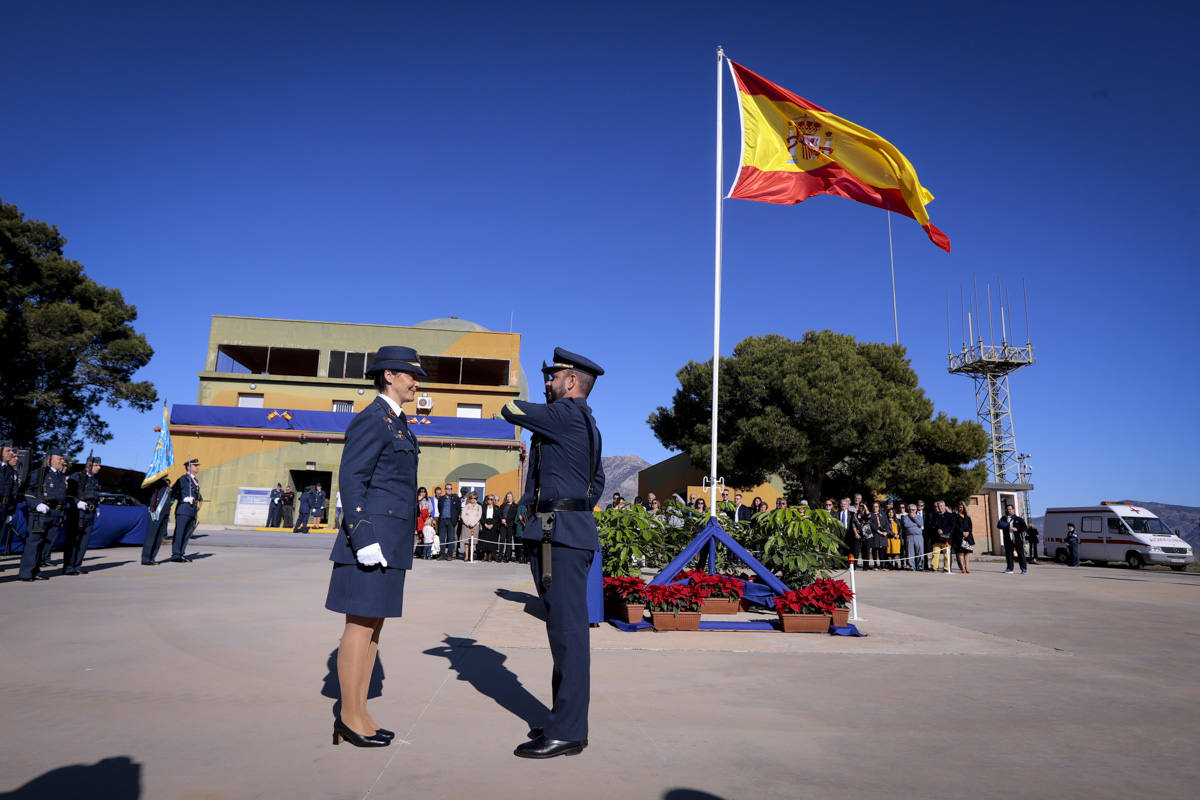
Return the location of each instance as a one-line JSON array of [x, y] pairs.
[[552, 163]]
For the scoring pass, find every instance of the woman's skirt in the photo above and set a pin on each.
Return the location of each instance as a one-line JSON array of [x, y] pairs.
[[893, 546], [366, 591], [488, 539]]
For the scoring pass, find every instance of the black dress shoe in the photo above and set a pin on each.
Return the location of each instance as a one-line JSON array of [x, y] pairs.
[[149, 563], [384, 733], [542, 747], [341, 733], [71, 572], [179, 560]]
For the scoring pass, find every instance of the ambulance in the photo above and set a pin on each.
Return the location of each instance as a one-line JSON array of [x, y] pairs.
[[1115, 532]]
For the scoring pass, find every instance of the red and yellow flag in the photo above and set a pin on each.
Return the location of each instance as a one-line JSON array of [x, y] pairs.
[[792, 149]]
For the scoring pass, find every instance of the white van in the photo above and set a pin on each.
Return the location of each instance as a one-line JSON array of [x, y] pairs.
[[1115, 532]]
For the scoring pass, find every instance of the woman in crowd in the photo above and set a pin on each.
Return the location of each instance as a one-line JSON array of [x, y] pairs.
[[758, 506], [893, 539], [490, 520], [508, 527], [963, 535], [471, 514], [866, 539], [701, 506], [424, 513]]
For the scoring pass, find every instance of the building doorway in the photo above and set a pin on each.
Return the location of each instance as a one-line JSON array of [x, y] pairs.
[[313, 477]]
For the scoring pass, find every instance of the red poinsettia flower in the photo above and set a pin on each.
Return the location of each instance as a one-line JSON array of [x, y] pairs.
[[629, 589], [805, 600], [672, 597], [834, 591]]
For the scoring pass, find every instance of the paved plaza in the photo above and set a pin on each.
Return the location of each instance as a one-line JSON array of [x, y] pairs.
[[215, 679]]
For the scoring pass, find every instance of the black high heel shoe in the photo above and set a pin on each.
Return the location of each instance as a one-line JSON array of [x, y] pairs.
[[342, 733], [384, 733]]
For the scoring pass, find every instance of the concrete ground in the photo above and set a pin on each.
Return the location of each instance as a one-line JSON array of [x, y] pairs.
[[214, 680]]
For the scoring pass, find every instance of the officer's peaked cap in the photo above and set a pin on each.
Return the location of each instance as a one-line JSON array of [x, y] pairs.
[[93, 459], [565, 359], [56, 450], [191, 461], [397, 359]]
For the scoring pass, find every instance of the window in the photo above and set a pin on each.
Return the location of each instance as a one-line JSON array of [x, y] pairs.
[[257, 360], [247, 400], [470, 410], [343, 406], [348, 364], [479, 371], [1114, 525], [1090, 524]]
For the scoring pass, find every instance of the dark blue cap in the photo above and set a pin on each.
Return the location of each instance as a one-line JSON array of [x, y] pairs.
[[191, 461], [565, 359], [56, 450], [93, 459], [397, 359]]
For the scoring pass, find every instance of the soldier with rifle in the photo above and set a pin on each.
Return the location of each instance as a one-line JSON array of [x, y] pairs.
[[85, 488], [46, 498], [565, 480]]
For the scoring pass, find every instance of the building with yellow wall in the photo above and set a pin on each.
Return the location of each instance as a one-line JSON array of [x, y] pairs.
[[275, 397]]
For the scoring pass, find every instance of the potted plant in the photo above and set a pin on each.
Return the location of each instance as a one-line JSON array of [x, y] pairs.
[[838, 593], [626, 597], [719, 594], [673, 607], [804, 610]]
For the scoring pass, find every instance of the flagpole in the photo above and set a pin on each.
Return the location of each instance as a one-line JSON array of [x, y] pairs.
[[712, 506], [892, 256]]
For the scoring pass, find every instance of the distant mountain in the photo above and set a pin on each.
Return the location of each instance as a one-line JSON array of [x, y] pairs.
[[620, 473], [1185, 519]]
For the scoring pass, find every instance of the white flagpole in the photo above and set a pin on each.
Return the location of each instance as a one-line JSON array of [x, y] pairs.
[[712, 506]]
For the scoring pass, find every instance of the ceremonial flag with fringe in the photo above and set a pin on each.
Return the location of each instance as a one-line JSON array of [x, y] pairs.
[[164, 457], [792, 149]]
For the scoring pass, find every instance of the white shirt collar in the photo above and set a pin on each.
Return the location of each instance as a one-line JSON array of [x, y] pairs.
[[393, 405]]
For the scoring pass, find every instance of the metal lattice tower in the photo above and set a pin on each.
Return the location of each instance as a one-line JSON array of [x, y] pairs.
[[989, 365]]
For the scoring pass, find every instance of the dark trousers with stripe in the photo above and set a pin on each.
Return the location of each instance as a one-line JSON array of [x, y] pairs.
[[155, 533], [184, 525], [77, 545], [42, 533], [570, 638]]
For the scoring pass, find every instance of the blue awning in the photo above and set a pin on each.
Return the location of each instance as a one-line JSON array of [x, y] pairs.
[[334, 422]]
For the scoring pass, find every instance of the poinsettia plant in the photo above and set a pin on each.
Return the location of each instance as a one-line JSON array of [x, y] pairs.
[[806, 600], [628, 589], [834, 591], [672, 597], [706, 585]]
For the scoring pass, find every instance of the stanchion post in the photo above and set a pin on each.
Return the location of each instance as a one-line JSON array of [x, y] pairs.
[[854, 594]]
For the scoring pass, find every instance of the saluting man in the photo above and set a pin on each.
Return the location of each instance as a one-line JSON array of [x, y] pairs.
[[46, 498], [87, 497], [565, 481], [186, 493]]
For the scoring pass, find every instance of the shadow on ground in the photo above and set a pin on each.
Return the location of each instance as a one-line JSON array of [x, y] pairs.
[[484, 669], [117, 778], [533, 603]]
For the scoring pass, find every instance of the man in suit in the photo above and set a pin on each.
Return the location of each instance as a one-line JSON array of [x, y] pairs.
[[845, 515], [741, 513], [449, 507], [273, 509], [881, 529], [186, 493], [945, 523], [46, 499], [565, 479], [1013, 532], [85, 488], [160, 520], [305, 509]]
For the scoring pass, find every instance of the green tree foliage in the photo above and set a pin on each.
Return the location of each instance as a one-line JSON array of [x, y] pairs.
[[67, 344], [827, 414]]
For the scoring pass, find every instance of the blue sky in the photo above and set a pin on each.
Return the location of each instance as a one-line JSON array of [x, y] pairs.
[[552, 164]]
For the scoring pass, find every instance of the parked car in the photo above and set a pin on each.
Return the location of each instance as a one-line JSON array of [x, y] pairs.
[[115, 499]]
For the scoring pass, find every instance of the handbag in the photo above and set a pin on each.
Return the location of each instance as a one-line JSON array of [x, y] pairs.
[[967, 547]]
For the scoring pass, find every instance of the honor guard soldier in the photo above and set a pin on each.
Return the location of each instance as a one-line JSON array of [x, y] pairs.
[[85, 488], [10, 493], [186, 493], [160, 520], [274, 508], [46, 498], [564, 482]]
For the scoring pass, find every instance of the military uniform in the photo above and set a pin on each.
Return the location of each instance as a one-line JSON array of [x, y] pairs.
[[274, 508], [10, 496], [186, 493], [565, 478], [47, 488], [86, 490], [378, 482], [305, 509], [160, 520]]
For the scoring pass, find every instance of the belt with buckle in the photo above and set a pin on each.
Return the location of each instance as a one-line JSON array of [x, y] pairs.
[[563, 504]]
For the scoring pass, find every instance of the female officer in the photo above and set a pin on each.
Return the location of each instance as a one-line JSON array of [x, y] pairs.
[[374, 546]]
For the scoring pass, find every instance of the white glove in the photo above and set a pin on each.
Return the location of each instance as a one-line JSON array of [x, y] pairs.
[[42, 508], [189, 499], [82, 506], [275, 501], [371, 555]]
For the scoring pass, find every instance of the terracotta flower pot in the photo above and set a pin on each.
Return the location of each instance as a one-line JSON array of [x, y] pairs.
[[675, 621], [841, 617], [631, 613], [804, 623], [720, 605]]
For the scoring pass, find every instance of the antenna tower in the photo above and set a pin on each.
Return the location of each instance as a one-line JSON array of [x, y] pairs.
[[989, 364]]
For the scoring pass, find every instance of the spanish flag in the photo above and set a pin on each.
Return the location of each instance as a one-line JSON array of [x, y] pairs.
[[792, 149]]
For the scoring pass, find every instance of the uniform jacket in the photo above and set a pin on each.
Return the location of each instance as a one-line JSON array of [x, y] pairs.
[[562, 471], [306, 504], [160, 498], [86, 488], [318, 502], [378, 482], [186, 486], [52, 491], [10, 487]]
